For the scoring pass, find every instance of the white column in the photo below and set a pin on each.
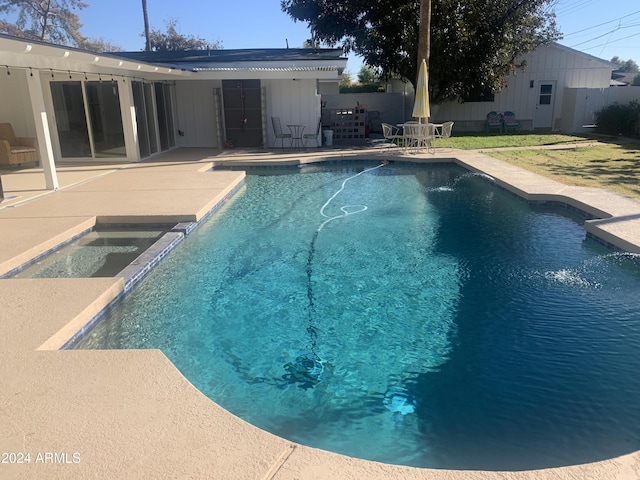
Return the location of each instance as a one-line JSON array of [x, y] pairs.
[[42, 130], [129, 123]]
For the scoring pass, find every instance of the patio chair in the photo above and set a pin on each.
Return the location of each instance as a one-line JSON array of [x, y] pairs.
[[418, 136], [391, 133], [510, 122], [16, 150], [444, 131], [494, 122], [277, 130], [409, 134], [313, 136], [430, 136]]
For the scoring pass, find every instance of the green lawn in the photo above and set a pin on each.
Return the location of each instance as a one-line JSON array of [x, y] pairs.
[[482, 141], [585, 162]]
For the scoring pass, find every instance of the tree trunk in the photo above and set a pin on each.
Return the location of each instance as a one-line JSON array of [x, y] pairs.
[[145, 13], [46, 8], [424, 35]]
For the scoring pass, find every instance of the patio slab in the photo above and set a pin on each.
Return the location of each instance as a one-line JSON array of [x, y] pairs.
[[152, 196], [63, 306], [25, 184], [160, 178], [120, 414]]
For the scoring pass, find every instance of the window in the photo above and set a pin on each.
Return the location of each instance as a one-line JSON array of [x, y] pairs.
[[546, 91], [480, 95]]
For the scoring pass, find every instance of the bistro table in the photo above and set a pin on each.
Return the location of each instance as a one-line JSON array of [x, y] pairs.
[[296, 136]]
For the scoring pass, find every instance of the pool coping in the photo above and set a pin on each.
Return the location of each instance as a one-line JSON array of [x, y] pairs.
[[157, 425]]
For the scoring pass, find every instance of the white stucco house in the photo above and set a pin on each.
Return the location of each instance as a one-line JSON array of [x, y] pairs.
[[94, 106]]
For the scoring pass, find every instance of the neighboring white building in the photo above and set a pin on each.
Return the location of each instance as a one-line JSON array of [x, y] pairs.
[[98, 106], [536, 94]]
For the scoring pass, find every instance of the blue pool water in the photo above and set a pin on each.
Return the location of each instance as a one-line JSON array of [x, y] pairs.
[[409, 314]]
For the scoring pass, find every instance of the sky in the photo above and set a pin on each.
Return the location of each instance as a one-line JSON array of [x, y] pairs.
[[602, 28]]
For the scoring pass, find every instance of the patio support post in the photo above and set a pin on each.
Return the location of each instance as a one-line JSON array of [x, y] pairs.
[[129, 121], [42, 131]]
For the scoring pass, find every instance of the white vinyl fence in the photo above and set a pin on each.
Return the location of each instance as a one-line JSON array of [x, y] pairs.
[[581, 104]]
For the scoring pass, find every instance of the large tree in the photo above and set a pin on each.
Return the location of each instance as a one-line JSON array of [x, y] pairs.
[[171, 40], [366, 74], [100, 45], [627, 66], [474, 44], [51, 21]]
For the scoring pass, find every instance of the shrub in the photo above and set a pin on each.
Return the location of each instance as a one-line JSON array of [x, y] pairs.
[[363, 88], [616, 119]]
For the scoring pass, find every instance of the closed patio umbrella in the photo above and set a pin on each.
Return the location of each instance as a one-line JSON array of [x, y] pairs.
[[421, 103]]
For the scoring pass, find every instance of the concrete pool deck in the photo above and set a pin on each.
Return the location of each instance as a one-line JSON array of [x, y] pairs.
[[131, 414]]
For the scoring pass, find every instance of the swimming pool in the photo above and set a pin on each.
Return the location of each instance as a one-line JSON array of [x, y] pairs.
[[407, 314]]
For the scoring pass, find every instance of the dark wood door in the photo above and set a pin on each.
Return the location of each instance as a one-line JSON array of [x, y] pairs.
[[242, 113]]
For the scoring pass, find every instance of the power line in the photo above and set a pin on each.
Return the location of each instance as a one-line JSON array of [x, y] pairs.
[[569, 12], [562, 9], [614, 41], [572, 6], [602, 24], [608, 33]]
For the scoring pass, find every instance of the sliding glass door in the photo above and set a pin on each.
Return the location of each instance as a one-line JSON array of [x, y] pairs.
[[71, 120], [105, 119], [145, 118], [89, 118], [165, 116]]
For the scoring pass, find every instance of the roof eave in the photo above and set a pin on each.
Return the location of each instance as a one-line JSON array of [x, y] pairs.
[[24, 53]]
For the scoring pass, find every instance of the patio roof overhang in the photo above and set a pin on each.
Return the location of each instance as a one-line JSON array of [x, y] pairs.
[[20, 53], [274, 63]]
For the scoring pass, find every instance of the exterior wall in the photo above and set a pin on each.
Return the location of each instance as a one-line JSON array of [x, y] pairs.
[[328, 88], [295, 101], [16, 105], [195, 113], [565, 67]]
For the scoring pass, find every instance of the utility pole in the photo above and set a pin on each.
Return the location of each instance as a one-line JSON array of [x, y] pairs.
[[145, 13]]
